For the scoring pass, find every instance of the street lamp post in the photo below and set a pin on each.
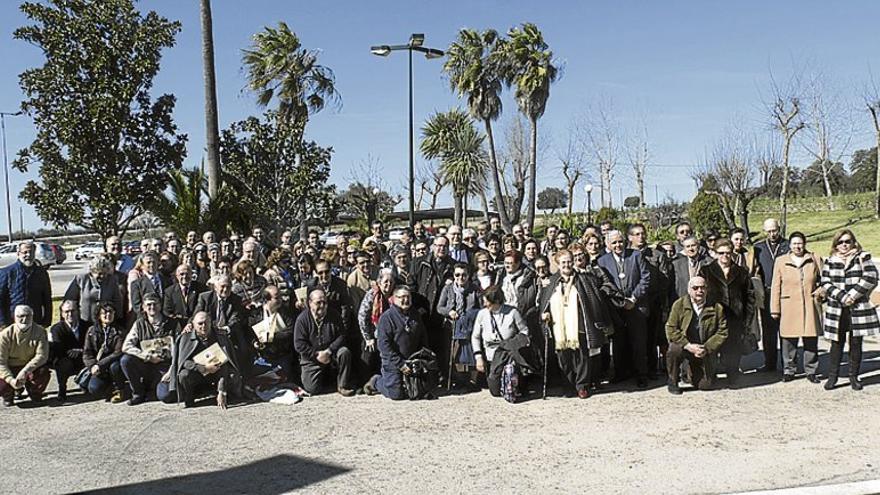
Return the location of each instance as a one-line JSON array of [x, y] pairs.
[[416, 41], [589, 190], [3, 116]]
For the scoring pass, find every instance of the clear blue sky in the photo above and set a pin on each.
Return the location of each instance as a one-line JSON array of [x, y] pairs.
[[693, 65]]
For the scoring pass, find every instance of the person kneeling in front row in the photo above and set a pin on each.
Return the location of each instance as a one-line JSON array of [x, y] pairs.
[[695, 331], [187, 376], [399, 334], [24, 349], [319, 338]]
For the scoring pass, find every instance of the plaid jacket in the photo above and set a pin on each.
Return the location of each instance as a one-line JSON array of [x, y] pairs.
[[857, 279]]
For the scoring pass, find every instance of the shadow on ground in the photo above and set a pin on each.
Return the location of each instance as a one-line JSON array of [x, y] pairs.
[[270, 476]]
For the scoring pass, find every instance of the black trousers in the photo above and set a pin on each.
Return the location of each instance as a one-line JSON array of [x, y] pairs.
[[700, 370], [65, 368], [191, 382], [630, 344], [855, 347], [577, 366], [770, 336], [316, 376]]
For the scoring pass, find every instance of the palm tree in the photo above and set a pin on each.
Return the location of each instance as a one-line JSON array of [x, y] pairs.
[[527, 64], [452, 138], [280, 68], [212, 138], [183, 208], [472, 73]]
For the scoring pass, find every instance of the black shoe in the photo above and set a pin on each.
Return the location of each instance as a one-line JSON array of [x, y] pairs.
[[8, 401], [813, 379], [641, 382], [767, 369], [674, 389], [189, 404], [855, 383], [787, 378], [831, 383], [136, 399]]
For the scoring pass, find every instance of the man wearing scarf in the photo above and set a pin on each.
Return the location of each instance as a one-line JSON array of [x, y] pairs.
[[400, 334], [573, 307], [319, 338], [276, 347]]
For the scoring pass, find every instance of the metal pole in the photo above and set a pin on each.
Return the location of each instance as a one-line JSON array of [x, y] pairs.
[[6, 178], [589, 206], [412, 180]]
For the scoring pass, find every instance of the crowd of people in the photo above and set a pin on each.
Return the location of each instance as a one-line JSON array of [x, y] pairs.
[[473, 307]]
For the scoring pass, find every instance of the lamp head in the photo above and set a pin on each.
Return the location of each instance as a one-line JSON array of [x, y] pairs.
[[381, 50], [588, 188], [433, 53], [417, 39]]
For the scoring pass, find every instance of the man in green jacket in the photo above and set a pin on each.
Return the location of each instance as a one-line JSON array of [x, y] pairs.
[[695, 332]]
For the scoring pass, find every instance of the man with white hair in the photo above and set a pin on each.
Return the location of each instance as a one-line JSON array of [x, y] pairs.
[[630, 274], [24, 350], [25, 282], [695, 331], [766, 252], [458, 250]]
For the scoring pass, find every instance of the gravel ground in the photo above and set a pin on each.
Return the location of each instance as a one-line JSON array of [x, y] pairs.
[[768, 435]]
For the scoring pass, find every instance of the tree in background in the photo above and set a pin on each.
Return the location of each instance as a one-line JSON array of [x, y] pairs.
[[863, 170], [452, 138], [527, 64], [281, 177], [473, 73], [366, 203], [573, 159], [552, 198], [786, 117], [212, 127], [103, 146]]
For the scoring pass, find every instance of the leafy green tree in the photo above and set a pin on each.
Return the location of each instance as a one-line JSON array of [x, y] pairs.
[[705, 213], [474, 73], [863, 170], [103, 146], [367, 203], [282, 178], [452, 138], [813, 180], [552, 198], [527, 64]]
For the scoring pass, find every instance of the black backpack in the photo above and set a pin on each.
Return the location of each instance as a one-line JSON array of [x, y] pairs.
[[425, 376]]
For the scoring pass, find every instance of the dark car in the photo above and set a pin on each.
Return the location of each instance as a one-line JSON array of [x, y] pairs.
[[60, 253]]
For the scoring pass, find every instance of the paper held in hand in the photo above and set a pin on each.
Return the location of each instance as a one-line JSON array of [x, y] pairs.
[[264, 331], [212, 355], [301, 294], [157, 345]]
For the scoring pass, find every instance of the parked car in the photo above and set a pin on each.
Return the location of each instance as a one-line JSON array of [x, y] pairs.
[[88, 250], [44, 254], [132, 248], [60, 253], [395, 234]]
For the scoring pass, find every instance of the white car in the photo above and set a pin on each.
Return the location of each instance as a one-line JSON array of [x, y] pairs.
[[88, 250], [43, 254], [395, 234]]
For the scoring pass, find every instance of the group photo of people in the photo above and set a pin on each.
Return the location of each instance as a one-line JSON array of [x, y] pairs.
[[440, 310]]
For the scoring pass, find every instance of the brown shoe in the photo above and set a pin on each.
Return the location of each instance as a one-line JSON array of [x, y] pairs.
[[117, 396], [345, 392]]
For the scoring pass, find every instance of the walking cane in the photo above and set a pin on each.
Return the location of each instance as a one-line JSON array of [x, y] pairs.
[[546, 357], [451, 357]]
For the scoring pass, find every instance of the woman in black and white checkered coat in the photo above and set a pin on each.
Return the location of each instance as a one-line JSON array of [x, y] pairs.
[[848, 277]]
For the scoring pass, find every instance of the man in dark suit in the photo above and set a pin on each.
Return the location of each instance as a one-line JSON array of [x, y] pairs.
[[319, 339], [182, 297], [630, 274], [766, 252], [152, 282], [66, 341], [459, 252], [687, 264], [186, 376], [25, 283]]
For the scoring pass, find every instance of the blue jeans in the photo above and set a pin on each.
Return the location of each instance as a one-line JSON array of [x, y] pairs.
[[142, 376], [100, 385]]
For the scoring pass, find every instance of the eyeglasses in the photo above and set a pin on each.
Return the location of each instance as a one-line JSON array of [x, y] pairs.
[[723, 253], [844, 241], [459, 275]]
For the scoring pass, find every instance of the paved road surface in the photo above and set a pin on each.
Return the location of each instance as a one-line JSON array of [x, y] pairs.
[[61, 275]]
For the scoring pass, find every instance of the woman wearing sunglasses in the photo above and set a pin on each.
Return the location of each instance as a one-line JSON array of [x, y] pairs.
[[848, 277]]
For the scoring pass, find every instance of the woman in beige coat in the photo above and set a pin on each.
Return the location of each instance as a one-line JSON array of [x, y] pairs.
[[793, 301]]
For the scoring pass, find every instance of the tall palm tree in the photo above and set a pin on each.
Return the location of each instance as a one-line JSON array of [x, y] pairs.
[[452, 138], [527, 64], [280, 68], [212, 137], [472, 73]]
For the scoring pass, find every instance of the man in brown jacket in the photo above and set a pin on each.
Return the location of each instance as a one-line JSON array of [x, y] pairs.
[[24, 350], [695, 331]]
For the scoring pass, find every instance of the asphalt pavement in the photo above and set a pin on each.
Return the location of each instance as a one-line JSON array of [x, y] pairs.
[[61, 275]]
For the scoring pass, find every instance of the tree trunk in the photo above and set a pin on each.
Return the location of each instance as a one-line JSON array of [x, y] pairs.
[[640, 179], [212, 137], [877, 186], [533, 168], [500, 203], [570, 188], [783, 195], [827, 183], [457, 200], [485, 204]]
